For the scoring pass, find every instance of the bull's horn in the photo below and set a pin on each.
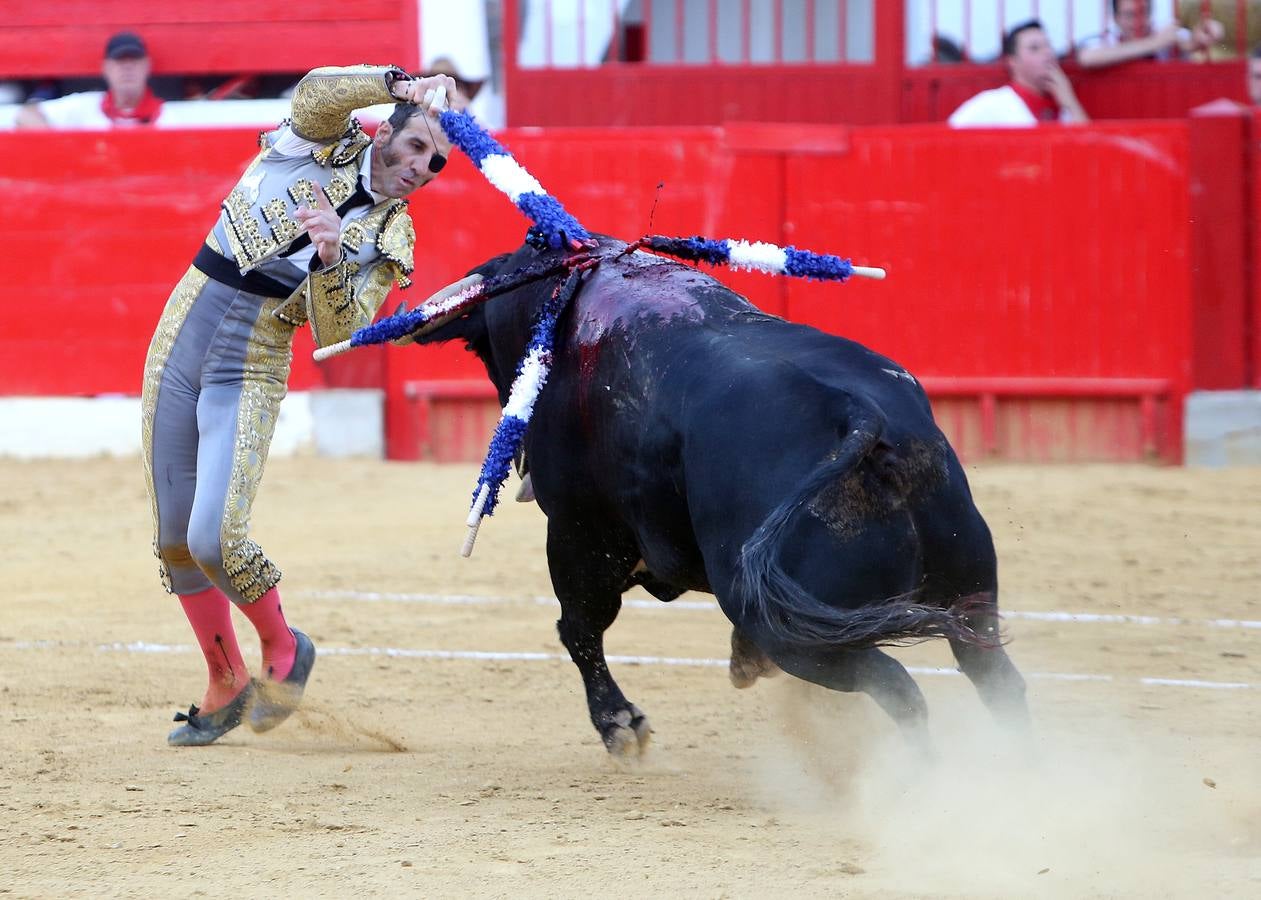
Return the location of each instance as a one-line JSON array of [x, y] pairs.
[[434, 299], [439, 317]]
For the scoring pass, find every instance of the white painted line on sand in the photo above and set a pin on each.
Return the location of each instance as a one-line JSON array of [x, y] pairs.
[[482, 600], [1193, 682], [490, 600], [526, 656], [1119, 619]]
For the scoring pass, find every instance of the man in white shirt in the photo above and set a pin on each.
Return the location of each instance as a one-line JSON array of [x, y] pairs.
[[1039, 91], [1254, 75], [127, 101], [1131, 37]]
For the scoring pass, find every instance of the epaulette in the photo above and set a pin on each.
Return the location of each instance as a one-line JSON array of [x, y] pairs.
[[396, 241], [345, 149]]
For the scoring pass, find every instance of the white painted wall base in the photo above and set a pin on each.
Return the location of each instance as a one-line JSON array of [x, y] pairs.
[[340, 422], [1223, 428]]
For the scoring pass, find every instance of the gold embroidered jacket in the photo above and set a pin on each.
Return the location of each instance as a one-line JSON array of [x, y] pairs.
[[257, 225]]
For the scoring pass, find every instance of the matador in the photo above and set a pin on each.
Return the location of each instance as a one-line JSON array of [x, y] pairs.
[[316, 232]]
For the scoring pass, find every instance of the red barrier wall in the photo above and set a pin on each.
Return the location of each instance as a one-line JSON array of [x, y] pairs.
[[66, 38], [1252, 173], [1033, 278], [1219, 198], [1060, 253], [1050, 254]]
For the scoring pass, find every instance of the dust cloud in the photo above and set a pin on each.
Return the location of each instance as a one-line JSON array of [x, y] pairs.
[[1103, 813]]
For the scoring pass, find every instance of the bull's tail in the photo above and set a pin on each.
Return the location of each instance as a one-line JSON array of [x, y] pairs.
[[792, 615]]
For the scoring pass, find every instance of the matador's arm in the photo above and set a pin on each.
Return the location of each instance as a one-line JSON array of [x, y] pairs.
[[325, 98], [344, 297]]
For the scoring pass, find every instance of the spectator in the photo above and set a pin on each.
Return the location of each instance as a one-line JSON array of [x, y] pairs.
[[1131, 37], [483, 102], [1254, 75], [127, 100], [443, 65], [947, 51], [1039, 91]]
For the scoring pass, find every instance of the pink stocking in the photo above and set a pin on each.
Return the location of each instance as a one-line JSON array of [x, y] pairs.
[[210, 614], [279, 644]]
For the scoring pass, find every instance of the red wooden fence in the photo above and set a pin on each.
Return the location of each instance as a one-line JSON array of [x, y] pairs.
[[67, 38], [1252, 261], [1038, 269]]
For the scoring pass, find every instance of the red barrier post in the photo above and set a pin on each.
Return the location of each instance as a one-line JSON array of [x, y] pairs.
[[1220, 357], [1253, 209]]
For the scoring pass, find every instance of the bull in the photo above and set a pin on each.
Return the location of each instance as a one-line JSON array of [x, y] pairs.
[[688, 441]]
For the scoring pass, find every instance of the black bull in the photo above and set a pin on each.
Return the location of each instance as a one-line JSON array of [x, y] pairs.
[[688, 441]]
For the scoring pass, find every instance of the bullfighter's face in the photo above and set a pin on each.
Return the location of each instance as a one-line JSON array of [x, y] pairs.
[[401, 159]]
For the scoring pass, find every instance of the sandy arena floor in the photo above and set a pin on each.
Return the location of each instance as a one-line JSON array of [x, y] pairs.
[[418, 774]]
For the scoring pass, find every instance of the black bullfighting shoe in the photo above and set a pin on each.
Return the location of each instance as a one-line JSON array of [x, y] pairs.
[[200, 729], [276, 700]]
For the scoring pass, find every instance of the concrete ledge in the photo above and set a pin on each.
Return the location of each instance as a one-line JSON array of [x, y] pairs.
[[1223, 428], [329, 423], [349, 422]]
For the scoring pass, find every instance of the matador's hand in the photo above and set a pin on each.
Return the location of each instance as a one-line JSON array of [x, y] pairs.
[[324, 226], [424, 92]]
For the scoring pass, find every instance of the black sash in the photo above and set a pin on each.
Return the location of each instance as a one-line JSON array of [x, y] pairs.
[[225, 271]]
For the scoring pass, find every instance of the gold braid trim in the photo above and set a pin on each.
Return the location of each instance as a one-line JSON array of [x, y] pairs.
[[293, 310], [325, 98], [245, 237], [344, 298], [331, 307], [173, 316], [266, 371], [396, 240], [346, 150]]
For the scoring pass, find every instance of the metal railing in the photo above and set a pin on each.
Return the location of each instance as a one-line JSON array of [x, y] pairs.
[[971, 30], [586, 33], [566, 34]]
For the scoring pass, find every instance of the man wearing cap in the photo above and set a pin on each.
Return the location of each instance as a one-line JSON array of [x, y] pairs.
[[126, 101], [315, 232]]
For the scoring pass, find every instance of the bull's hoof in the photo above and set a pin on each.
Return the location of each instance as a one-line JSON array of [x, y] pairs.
[[741, 676], [748, 662], [627, 735]]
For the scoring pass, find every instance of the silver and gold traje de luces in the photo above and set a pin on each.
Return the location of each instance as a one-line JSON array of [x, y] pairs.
[[259, 222]]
